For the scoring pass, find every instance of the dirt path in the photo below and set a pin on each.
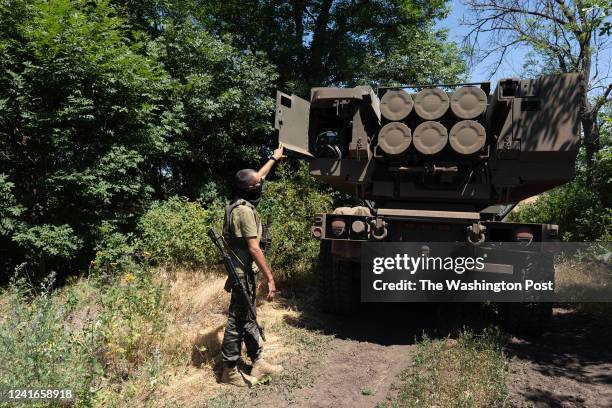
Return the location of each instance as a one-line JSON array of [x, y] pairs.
[[355, 374], [363, 361], [364, 357], [569, 366]]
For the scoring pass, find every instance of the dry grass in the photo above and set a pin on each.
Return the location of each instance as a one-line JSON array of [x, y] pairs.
[[80, 298], [197, 305], [175, 356], [191, 342], [576, 281], [5, 307]]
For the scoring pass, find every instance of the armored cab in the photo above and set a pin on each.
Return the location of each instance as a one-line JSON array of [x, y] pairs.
[[432, 163]]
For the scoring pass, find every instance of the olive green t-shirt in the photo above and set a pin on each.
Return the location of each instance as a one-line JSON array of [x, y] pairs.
[[244, 222]]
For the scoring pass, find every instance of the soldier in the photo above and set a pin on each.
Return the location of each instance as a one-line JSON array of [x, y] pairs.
[[242, 229]]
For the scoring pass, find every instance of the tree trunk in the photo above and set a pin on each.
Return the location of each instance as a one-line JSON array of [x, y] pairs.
[[298, 20], [318, 45], [590, 131], [588, 114]]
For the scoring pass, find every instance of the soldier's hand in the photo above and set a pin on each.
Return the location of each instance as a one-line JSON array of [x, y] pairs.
[[278, 152], [271, 291]]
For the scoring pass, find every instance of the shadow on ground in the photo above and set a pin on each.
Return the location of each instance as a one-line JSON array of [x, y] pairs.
[[395, 323], [569, 365]]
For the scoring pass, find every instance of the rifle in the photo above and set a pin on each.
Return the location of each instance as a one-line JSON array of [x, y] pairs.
[[225, 251]]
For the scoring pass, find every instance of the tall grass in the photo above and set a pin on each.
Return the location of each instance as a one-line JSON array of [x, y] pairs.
[[83, 337], [38, 347]]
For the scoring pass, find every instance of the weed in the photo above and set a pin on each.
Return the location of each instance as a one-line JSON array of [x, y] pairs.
[[38, 348], [467, 372], [132, 316]]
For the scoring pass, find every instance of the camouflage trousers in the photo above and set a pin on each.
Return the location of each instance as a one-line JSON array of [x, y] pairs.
[[241, 326]]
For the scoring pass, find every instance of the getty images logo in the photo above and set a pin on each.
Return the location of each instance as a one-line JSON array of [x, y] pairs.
[[411, 264]]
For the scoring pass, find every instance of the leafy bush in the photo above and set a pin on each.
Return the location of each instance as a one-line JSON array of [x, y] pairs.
[[291, 201], [174, 232], [114, 251], [49, 240], [576, 209], [582, 208]]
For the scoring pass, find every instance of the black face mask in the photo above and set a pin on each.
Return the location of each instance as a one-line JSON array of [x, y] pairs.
[[253, 196]]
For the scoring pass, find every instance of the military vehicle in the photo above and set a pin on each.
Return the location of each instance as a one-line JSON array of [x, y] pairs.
[[433, 163]]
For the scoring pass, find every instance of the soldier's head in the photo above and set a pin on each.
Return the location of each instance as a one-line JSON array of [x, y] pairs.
[[248, 185]]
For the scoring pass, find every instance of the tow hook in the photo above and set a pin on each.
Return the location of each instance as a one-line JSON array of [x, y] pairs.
[[378, 228], [476, 233]]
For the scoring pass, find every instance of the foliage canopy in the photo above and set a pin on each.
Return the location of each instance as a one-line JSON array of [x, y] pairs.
[[108, 106]]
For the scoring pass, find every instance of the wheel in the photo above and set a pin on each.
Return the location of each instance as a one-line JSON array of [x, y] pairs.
[[323, 277], [527, 317], [337, 283], [345, 287]]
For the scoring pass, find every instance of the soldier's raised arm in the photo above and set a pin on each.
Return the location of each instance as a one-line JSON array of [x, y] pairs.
[[276, 155]]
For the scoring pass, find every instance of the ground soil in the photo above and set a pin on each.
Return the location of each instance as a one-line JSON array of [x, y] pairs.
[[355, 374], [569, 366]]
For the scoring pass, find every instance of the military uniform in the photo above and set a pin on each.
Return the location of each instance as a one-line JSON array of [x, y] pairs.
[[241, 221]]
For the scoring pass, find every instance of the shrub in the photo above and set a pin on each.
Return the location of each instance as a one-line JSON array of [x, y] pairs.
[[576, 209], [580, 208], [49, 240], [115, 252], [291, 201], [174, 232]]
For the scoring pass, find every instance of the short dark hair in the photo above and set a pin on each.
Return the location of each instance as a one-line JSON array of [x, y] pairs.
[[244, 178]]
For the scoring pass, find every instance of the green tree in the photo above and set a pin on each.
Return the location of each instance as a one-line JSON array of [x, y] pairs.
[[97, 119], [9, 209], [77, 105], [341, 42], [582, 208], [226, 102]]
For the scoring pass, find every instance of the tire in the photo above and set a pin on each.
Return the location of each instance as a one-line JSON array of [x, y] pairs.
[[337, 283], [531, 318], [525, 318], [324, 277], [345, 287]]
